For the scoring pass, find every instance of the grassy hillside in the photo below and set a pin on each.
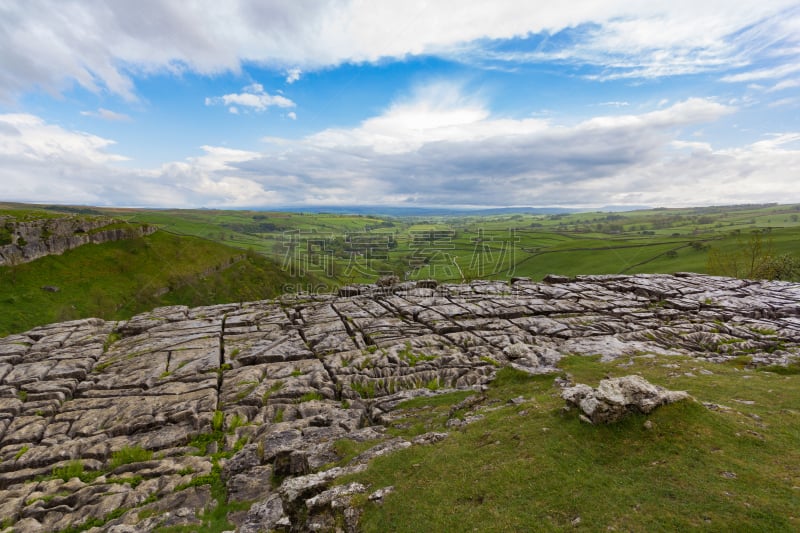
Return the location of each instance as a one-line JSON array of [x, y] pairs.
[[287, 249], [360, 248], [117, 280], [532, 467]]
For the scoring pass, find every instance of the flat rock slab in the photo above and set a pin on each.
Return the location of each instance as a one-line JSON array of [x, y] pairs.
[[283, 380]]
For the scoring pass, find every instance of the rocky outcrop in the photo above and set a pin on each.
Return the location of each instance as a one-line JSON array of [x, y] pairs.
[[26, 241], [615, 398], [161, 419]]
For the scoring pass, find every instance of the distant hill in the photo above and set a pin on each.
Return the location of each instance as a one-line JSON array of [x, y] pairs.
[[399, 211]]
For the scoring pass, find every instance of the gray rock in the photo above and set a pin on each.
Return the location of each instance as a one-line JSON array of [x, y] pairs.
[[380, 494], [282, 381], [252, 485], [267, 515], [53, 236], [614, 398], [336, 496]]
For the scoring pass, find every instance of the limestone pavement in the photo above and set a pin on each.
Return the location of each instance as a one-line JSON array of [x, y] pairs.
[[151, 412]]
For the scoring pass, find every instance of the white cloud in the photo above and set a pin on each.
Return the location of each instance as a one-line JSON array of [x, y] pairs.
[[292, 115], [106, 115], [464, 156], [785, 102], [45, 162], [253, 96], [763, 74], [460, 154], [41, 162], [104, 46], [292, 75], [783, 85], [38, 141]]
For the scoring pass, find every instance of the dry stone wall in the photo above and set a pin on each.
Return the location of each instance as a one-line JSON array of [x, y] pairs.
[[275, 383]]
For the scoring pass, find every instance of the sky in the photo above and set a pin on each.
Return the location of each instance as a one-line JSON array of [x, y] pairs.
[[277, 103]]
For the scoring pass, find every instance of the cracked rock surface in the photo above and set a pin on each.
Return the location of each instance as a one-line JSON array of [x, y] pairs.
[[134, 425]]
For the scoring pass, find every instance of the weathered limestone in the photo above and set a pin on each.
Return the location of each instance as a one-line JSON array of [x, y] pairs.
[[614, 398], [53, 236], [247, 394]]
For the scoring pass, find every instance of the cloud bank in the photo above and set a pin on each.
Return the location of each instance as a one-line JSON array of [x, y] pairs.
[[104, 46], [438, 147]]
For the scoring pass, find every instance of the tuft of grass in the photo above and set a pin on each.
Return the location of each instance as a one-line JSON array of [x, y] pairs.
[[236, 421], [128, 455], [74, 469], [411, 357], [275, 387], [792, 369], [21, 452], [487, 359], [433, 384], [202, 441], [133, 481], [365, 389], [110, 340], [100, 367], [310, 396], [347, 449], [217, 421], [245, 392], [214, 519], [740, 361]]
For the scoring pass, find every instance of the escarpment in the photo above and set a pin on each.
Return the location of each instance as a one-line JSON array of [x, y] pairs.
[[22, 241], [167, 417]]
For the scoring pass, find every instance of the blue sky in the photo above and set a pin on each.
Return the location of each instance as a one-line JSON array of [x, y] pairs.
[[415, 103]]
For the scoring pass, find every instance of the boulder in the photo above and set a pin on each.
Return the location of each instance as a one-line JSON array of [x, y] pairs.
[[615, 398]]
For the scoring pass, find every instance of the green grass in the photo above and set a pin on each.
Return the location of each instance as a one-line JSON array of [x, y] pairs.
[[310, 396], [75, 469], [217, 421], [411, 357], [214, 519], [191, 256], [655, 240], [119, 279], [533, 467], [128, 455], [21, 452]]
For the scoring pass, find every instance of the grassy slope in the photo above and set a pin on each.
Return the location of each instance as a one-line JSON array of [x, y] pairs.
[[582, 243], [533, 467], [117, 280]]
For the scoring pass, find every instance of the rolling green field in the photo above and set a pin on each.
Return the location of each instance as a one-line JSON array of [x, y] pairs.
[[210, 256], [354, 248]]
